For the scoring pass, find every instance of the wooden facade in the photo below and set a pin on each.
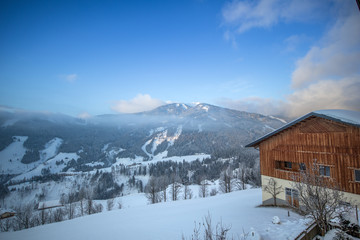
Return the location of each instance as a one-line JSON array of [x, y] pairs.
[[334, 145]]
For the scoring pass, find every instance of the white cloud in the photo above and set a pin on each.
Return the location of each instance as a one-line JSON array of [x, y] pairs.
[[84, 115], [325, 94], [265, 106], [327, 77], [247, 14], [338, 57], [294, 41], [142, 102], [69, 77]]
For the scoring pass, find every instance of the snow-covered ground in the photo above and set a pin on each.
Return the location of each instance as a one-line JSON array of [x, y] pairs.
[[159, 139], [171, 220], [10, 157], [161, 158], [55, 165]]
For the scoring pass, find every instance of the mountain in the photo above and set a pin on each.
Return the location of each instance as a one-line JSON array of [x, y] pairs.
[[28, 140]]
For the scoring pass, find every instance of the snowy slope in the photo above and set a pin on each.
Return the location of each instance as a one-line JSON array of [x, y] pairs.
[[55, 165], [50, 149], [172, 219], [160, 137], [10, 157]]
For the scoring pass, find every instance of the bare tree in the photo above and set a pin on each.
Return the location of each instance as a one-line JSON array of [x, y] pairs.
[[44, 215], [58, 215], [89, 206], [152, 190], [204, 189], [319, 196], [175, 187], [70, 209], [209, 234], [97, 208], [24, 217], [273, 188], [163, 184], [241, 176], [110, 204], [187, 191], [6, 224], [226, 180]]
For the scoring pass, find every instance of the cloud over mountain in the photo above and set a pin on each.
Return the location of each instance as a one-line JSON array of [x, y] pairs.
[[140, 103]]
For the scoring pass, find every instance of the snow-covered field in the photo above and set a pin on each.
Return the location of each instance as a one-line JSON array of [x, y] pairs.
[[171, 220], [11, 157]]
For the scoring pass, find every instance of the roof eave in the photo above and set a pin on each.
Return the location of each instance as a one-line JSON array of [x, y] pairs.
[[257, 142]]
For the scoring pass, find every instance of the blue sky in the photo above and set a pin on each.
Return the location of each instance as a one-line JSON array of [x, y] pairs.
[[280, 57]]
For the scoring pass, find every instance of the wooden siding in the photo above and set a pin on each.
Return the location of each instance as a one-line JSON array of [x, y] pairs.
[[330, 143]]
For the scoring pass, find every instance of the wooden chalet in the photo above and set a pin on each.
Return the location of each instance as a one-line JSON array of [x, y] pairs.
[[7, 214], [331, 138]]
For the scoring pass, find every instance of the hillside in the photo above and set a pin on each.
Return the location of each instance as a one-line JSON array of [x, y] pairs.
[[48, 157], [171, 220], [31, 139]]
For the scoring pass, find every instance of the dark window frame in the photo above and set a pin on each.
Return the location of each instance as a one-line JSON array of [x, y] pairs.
[[324, 171], [288, 165], [357, 176]]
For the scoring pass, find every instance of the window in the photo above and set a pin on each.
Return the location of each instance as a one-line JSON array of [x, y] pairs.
[[288, 165], [284, 165], [357, 175], [302, 166], [277, 164], [324, 170], [292, 197]]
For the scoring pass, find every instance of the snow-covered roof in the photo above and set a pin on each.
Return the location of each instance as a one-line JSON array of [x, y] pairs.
[[49, 204], [5, 210], [345, 116], [338, 115]]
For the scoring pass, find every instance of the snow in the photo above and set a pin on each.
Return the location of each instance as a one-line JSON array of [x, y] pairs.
[[267, 126], [171, 220], [10, 157], [206, 108], [159, 139], [348, 116], [94, 164], [276, 220], [55, 165], [162, 157], [332, 233], [212, 118], [9, 122], [51, 149], [276, 118]]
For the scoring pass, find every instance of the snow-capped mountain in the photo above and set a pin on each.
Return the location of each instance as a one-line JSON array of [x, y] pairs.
[[30, 141]]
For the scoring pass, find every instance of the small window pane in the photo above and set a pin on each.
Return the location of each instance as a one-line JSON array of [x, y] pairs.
[[295, 193], [357, 175], [324, 170], [288, 165], [327, 171], [302, 166], [288, 191]]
